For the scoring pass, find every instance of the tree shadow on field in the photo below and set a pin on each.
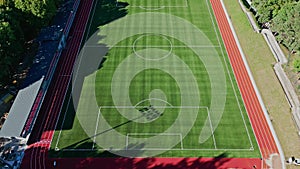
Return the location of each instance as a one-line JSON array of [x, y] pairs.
[[87, 143], [102, 62], [84, 151], [103, 12], [107, 11]]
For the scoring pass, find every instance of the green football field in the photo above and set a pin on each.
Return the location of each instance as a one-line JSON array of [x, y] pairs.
[[153, 79]]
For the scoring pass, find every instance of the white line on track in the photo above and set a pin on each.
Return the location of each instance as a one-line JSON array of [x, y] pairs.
[[186, 107], [41, 161], [228, 72]]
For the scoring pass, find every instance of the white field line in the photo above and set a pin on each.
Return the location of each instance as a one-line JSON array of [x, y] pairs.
[[167, 107], [60, 131], [218, 149], [152, 46], [152, 9], [78, 149], [171, 107], [186, 3], [175, 149], [231, 81], [162, 6], [96, 129], [181, 142], [126, 144], [212, 130], [179, 46], [142, 101], [164, 37], [153, 134]]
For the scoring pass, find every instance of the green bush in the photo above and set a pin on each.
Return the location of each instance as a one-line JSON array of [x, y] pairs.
[[297, 65]]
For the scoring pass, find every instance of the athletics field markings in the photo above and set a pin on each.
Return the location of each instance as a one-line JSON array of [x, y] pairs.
[[228, 72], [148, 134], [182, 46]]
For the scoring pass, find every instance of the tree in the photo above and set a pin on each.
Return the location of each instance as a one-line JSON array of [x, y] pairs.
[[7, 49], [283, 17], [268, 9], [11, 41], [42, 9], [287, 25], [19, 18]]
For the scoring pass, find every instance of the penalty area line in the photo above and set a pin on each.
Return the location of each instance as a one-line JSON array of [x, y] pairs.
[[211, 127], [181, 141], [126, 144], [96, 129]]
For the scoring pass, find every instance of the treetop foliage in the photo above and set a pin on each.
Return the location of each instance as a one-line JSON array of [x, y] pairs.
[[43, 9], [20, 21], [283, 18]]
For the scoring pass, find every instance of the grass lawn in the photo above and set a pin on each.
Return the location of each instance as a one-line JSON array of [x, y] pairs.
[[260, 60], [164, 87]]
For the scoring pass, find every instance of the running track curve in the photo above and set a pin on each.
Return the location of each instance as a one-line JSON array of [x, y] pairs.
[[36, 156]]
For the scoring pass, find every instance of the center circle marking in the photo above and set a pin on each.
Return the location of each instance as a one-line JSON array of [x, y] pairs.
[[151, 52]]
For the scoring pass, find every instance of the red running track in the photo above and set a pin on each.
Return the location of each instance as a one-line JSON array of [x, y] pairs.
[[255, 112], [36, 156]]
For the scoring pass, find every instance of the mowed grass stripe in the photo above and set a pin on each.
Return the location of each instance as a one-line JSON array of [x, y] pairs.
[[230, 134]]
